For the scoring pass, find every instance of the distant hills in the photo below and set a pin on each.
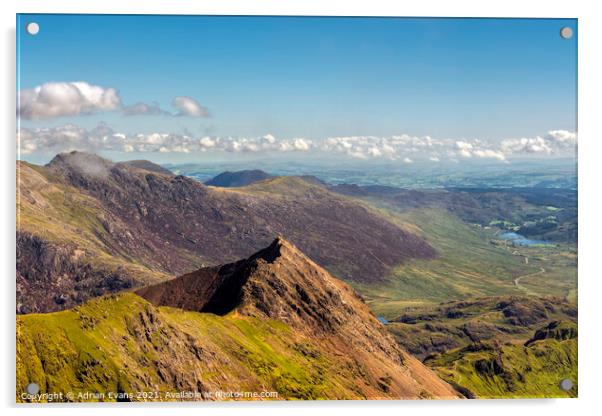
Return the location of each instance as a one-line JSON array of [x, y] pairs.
[[238, 178], [283, 325], [148, 166], [539, 213]]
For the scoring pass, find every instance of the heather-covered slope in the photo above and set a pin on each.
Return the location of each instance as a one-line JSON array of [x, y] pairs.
[[293, 329], [143, 226]]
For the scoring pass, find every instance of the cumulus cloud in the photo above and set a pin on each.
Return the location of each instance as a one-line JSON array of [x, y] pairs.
[[58, 99], [189, 107], [556, 141], [404, 148], [55, 99]]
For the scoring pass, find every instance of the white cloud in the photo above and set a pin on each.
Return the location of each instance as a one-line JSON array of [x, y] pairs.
[[207, 142], [555, 142], [479, 149], [301, 144], [56, 99], [269, 138], [404, 148], [464, 148], [189, 107]]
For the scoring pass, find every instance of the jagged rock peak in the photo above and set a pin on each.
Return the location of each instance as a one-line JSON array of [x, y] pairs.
[[278, 282]]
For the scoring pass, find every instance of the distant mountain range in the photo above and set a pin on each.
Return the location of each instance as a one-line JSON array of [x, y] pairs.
[[112, 226]]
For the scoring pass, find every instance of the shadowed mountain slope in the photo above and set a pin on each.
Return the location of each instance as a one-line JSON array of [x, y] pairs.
[[144, 227], [283, 324]]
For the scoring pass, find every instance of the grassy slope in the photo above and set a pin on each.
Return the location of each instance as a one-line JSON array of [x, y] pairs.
[[469, 266], [121, 343], [481, 345], [427, 329], [521, 372]]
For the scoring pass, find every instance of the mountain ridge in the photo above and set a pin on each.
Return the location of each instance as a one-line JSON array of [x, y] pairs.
[[146, 226], [295, 330]]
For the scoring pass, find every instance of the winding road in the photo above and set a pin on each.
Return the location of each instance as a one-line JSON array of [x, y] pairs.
[[518, 279]]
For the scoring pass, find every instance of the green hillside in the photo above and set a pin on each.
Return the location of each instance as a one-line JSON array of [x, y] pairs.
[[511, 370], [121, 343]]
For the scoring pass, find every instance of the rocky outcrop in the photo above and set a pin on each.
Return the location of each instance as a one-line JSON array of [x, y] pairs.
[[281, 283], [558, 330]]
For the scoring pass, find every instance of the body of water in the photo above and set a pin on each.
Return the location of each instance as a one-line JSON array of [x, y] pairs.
[[520, 240]]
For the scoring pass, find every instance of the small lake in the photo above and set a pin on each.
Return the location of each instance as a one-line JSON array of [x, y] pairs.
[[520, 240]]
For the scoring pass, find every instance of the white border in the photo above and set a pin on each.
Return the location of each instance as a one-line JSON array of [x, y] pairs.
[[590, 290]]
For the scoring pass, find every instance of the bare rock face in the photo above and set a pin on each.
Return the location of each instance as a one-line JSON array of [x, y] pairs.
[[52, 277], [281, 283]]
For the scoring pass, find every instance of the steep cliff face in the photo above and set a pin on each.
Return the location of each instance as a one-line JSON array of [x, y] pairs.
[[148, 226], [278, 322]]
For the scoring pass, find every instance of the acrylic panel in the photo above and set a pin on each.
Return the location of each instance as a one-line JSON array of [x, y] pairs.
[[295, 208]]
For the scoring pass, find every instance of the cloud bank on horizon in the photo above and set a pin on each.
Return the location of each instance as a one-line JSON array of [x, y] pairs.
[[405, 148]]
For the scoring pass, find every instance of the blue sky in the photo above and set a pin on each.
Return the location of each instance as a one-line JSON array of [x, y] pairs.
[[311, 78]]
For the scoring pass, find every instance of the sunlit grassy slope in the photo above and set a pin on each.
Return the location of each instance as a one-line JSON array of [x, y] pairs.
[[511, 370], [121, 343]]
